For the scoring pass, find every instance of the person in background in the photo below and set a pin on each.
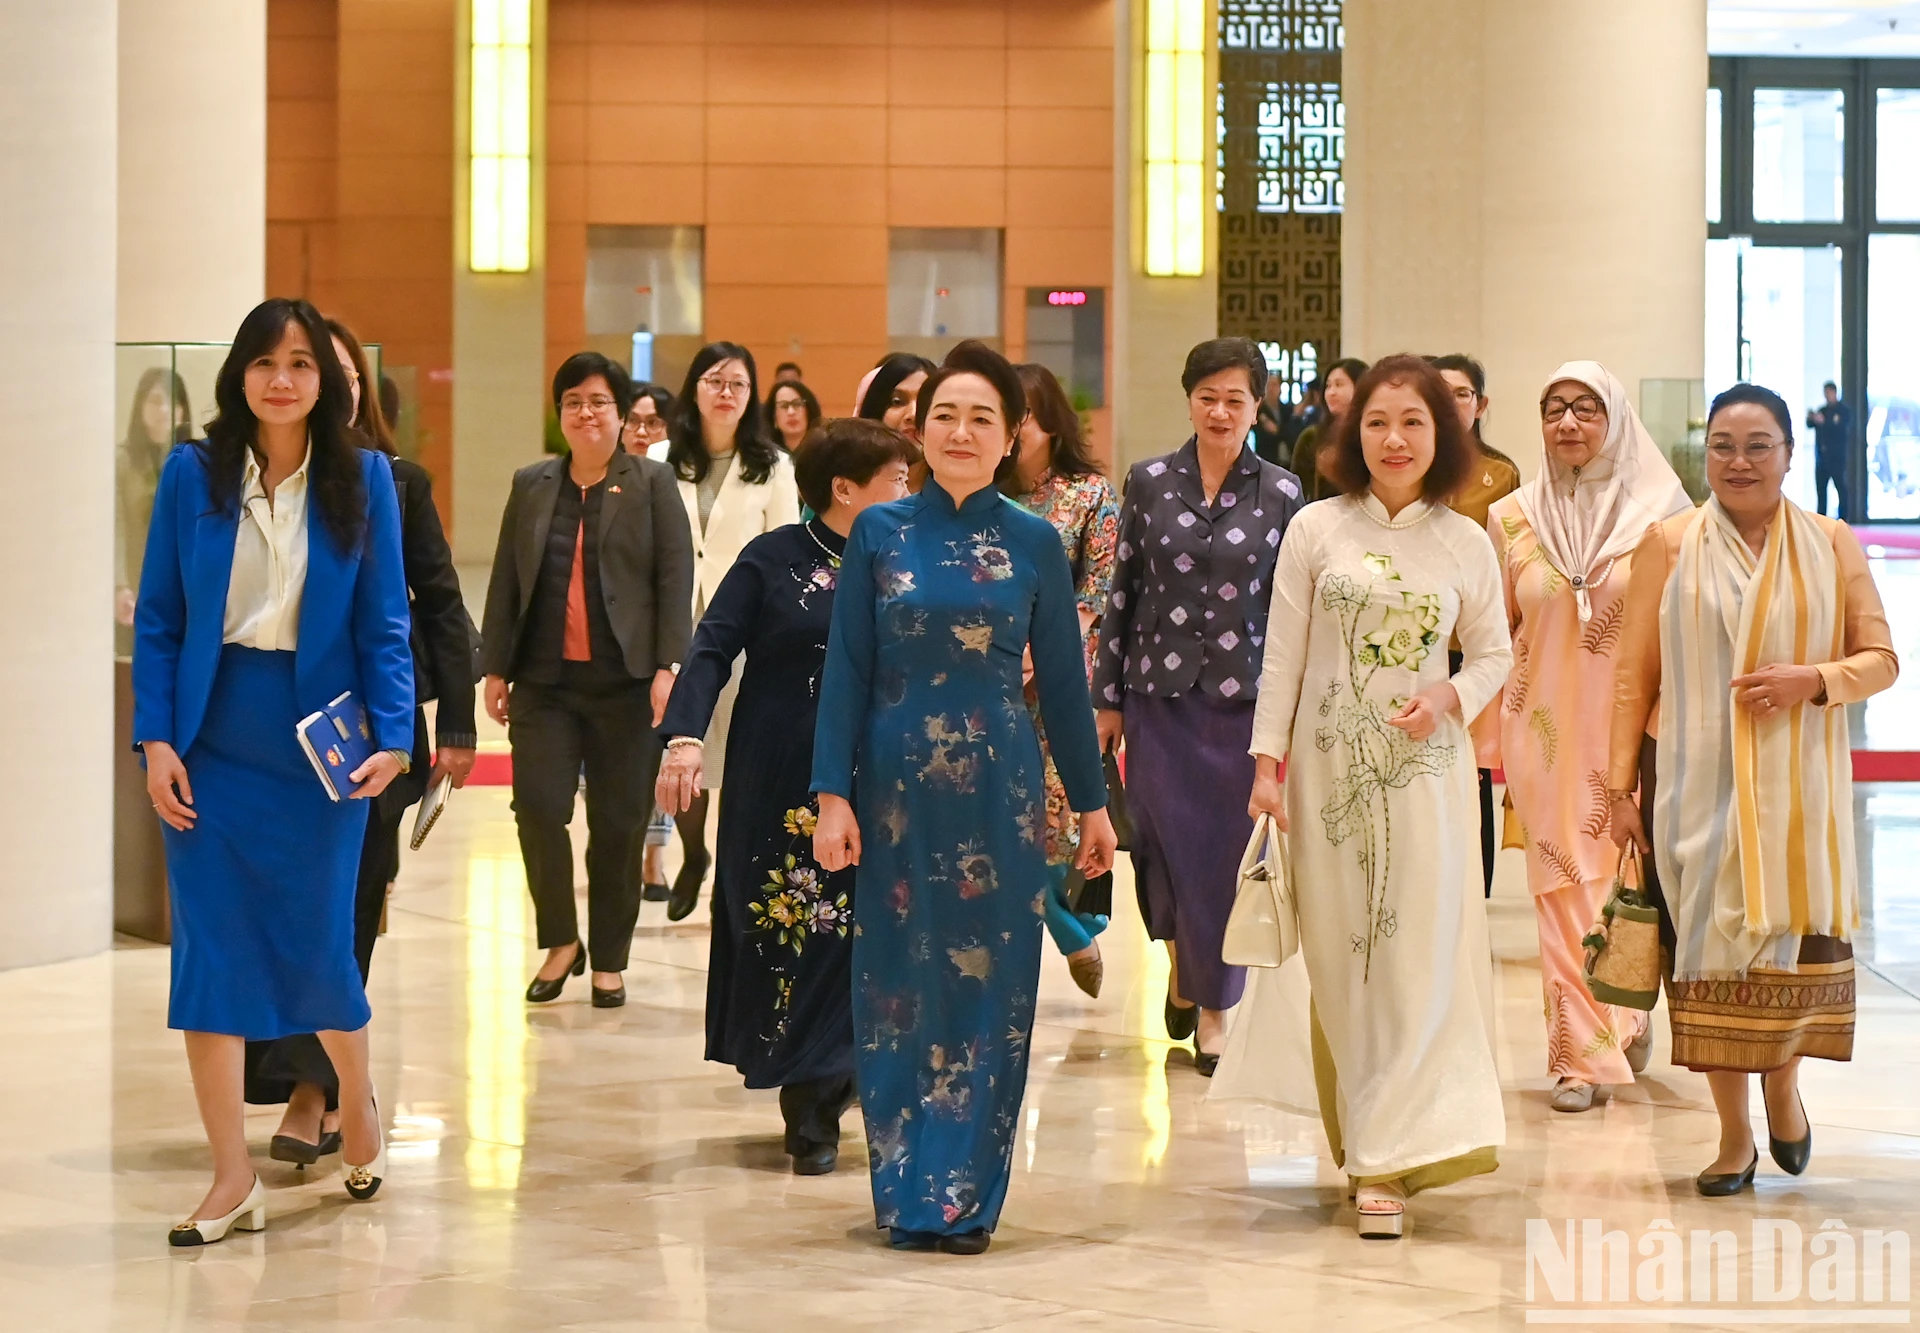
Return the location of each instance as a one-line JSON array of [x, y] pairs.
[[1358, 702], [1831, 424], [1566, 542], [779, 973], [1178, 668], [272, 585], [922, 721], [1052, 473], [735, 483], [586, 621], [1750, 625], [787, 372], [1315, 439], [646, 426], [892, 391], [646, 423], [1310, 408], [1492, 477], [794, 410], [295, 1069], [1270, 424], [159, 418]]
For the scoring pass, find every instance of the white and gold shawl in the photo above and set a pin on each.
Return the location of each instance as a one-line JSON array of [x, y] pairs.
[[1754, 815]]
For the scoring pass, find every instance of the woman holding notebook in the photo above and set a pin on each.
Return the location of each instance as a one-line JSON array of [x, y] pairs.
[[273, 585]]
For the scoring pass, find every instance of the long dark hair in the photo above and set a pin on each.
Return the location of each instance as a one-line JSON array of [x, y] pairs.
[[178, 431], [807, 400], [372, 418], [1048, 406], [333, 467], [893, 368], [752, 443]]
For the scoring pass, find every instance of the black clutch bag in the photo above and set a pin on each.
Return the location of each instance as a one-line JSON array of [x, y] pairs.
[[1117, 803]]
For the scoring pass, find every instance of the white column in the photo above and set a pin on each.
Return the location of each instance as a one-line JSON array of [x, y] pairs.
[[193, 167], [1525, 184], [57, 168]]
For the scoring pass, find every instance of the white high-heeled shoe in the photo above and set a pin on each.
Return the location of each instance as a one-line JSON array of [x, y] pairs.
[[1382, 1210], [363, 1182], [251, 1215]]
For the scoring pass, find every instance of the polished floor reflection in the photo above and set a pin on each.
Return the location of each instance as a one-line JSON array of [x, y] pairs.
[[582, 1169]]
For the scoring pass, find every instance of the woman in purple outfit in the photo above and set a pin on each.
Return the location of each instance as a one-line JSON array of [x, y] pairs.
[[1178, 667]]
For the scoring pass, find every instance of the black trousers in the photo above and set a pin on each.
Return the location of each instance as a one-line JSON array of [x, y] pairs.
[[557, 732], [1830, 465], [1488, 845], [812, 1111]]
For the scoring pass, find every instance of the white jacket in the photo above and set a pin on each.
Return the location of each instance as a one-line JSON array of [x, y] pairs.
[[741, 512]]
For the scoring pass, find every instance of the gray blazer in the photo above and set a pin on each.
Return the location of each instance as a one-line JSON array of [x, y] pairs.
[[646, 563]]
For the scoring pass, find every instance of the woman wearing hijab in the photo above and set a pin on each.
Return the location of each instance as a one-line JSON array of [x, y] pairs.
[[1565, 542], [1748, 624]]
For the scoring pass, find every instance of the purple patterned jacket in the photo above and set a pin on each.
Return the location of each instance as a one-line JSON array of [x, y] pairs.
[[1191, 580]]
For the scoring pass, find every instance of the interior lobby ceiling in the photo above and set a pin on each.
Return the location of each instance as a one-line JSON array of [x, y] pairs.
[[1857, 28]]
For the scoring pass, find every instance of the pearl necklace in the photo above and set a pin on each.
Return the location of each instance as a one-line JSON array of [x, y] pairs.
[[1396, 524], [833, 560]]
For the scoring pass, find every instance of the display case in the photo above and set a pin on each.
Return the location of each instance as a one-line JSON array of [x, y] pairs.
[[1675, 413], [163, 397]]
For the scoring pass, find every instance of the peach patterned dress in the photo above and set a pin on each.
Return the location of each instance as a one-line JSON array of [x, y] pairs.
[[1556, 716]]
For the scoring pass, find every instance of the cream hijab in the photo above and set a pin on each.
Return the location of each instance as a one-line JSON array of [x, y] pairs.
[[1588, 517]]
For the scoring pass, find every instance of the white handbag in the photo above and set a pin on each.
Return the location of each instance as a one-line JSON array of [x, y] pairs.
[[1262, 930]]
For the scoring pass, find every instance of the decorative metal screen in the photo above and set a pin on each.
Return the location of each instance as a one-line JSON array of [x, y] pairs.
[[1282, 136]]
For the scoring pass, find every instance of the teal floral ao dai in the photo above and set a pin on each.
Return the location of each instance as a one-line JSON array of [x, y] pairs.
[[923, 725]]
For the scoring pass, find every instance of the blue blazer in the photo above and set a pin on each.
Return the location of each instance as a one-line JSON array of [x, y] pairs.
[[354, 622]]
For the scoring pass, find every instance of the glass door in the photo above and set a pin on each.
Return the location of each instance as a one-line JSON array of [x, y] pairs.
[[1775, 318], [1893, 377]]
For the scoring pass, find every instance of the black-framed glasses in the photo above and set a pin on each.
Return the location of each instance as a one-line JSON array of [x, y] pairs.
[[1584, 408]]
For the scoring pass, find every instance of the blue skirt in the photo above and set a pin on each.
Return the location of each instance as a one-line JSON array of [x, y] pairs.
[[262, 885]]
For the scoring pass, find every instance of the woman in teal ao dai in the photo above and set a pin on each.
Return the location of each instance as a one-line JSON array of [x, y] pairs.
[[922, 723]]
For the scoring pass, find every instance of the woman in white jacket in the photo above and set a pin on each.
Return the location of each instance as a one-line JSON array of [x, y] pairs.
[[736, 483]]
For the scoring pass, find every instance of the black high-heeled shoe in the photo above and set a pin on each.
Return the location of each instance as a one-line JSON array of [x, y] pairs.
[[1790, 1155], [967, 1242], [686, 887], [610, 997], [540, 992], [1181, 1020], [287, 1148], [1726, 1184]]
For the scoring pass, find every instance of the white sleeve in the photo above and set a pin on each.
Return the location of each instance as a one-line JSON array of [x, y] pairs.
[[783, 505], [1486, 645], [1284, 663]]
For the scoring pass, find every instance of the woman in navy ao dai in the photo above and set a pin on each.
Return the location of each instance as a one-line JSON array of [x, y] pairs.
[[923, 726]]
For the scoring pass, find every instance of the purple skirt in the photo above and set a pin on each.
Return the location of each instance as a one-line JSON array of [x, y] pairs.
[[1188, 779]]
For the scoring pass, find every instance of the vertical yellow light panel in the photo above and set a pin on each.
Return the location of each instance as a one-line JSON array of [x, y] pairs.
[[500, 235], [1176, 138]]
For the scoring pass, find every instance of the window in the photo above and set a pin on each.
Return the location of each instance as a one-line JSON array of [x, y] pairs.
[[1799, 147], [1715, 178], [1898, 156]]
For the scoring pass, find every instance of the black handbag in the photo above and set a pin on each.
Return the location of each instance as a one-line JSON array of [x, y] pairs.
[[1117, 803]]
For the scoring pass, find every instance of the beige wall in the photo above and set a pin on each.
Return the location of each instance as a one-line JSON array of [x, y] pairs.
[[57, 100], [1524, 182], [193, 167]]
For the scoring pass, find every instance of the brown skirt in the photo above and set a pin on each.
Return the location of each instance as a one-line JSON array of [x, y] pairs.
[[1767, 1018]]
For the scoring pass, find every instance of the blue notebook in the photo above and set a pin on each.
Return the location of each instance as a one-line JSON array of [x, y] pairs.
[[337, 739]]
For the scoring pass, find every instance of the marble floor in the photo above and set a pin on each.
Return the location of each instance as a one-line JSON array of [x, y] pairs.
[[581, 1169]]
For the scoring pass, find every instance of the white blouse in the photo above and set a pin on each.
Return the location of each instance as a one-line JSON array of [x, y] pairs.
[[269, 563]]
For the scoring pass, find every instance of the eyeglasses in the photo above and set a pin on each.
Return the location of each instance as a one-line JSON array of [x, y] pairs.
[[720, 388], [1758, 452], [1466, 394], [592, 407], [1584, 408]]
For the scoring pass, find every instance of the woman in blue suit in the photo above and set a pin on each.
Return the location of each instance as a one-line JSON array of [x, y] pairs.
[[272, 585]]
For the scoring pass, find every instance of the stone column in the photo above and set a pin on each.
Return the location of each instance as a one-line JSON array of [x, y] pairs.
[[1524, 184], [1155, 320], [193, 168], [57, 133]]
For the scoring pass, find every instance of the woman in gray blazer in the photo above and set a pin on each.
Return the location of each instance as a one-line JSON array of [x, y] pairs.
[[588, 616]]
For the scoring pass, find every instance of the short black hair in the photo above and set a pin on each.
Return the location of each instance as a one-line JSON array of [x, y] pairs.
[[784, 366], [583, 366], [1831, 385], [1461, 363], [973, 357], [662, 397], [1453, 450], [850, 447], [1763, 397], [1209, 358]]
